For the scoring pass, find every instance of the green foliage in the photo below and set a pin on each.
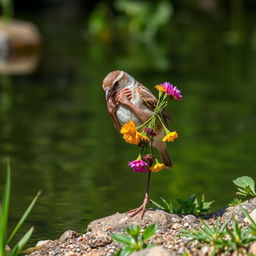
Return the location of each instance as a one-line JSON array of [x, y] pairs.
[[223, 238], [4, 212], [7, 7], [235, 201], [140, 20], [133, 241], [245, 186], [191, 205]]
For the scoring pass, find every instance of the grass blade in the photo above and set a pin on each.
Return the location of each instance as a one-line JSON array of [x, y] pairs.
[[24, 216], [157, 205], [19, 246], [5, 208]]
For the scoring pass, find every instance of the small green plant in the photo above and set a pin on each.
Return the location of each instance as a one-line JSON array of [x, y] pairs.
[[213, 236], [191, 205], [133, 241], [245, 186], [238, 237], [4, 212], [223, 238], [235, 201]]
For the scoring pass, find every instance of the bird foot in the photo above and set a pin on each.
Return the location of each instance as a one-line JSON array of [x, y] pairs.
[[141, 208]]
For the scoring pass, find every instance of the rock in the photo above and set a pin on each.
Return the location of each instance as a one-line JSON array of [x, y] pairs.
[[7, 250], [118, 222], [252, 215], [252, 248], [20, 47], [98, 239], [190, 219], [21, 35], [205, 250], [71, 254], [154, 251], [69, 234], [235, 211], [42, 242]]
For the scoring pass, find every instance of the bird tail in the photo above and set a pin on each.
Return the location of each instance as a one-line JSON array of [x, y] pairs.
[[166, 158], [162, 149]]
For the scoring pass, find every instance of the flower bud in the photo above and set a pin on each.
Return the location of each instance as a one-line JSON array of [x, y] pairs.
[[149, 159], [150, 131]]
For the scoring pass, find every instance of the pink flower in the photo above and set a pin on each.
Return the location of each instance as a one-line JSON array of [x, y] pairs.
[[172, 90], [138, 166]]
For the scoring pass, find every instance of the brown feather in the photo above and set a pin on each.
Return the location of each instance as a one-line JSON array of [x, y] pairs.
[[148, 98], [108, 80], [150, 101]]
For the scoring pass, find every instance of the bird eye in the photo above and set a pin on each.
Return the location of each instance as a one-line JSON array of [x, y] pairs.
[[116, 83]]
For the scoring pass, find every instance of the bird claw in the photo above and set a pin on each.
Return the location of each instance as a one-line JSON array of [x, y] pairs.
[[141, 208]]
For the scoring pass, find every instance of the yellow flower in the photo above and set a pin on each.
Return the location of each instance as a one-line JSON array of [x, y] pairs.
[[157, 167], [131, 135], [160, 88], [170, 137]]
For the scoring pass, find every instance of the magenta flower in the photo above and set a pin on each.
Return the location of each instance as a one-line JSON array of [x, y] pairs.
[[138, 166], [172, 90]]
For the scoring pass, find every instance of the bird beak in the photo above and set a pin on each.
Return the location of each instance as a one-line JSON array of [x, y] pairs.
[[108, 94]]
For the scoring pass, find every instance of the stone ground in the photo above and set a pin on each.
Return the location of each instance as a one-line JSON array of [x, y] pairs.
[[98, 242]]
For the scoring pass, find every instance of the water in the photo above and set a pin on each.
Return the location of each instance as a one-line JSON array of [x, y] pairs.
[[55, 128]]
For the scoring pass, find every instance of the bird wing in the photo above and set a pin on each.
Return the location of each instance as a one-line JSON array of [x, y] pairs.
[[150, 101], [147, 97]]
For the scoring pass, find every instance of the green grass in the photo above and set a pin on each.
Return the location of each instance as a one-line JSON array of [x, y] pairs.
[[4, 213]]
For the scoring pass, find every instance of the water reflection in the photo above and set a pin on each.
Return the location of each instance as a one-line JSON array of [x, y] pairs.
[[57, 132]]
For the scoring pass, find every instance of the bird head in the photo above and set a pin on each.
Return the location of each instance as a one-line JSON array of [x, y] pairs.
[[115, 81]]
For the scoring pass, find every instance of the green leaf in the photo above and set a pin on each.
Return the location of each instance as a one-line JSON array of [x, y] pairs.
[[245, 181], [133, 231], [123, 239], [148, 232], [127, 250], [158, 205], [5, 208], [18, 247], [24, 216]]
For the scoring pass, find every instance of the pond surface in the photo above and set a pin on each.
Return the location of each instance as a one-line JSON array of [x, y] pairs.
[[55, 128]]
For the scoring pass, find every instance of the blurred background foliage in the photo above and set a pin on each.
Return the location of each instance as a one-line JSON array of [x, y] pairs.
[[53, 120]]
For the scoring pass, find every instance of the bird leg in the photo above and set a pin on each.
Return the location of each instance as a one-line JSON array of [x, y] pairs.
[[146, 201]]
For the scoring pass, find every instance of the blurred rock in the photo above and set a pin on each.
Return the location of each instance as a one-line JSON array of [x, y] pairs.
[[21, 36], [235, 211], [69, 234], [252, 248], [190, 219], [154, 251], [19, 66], [252, 215], [42, 242], [7, 250], [20, 46], [119, 222], [98, 239]]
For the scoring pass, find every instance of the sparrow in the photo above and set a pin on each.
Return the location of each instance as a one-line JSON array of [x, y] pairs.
[[129, 100]]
